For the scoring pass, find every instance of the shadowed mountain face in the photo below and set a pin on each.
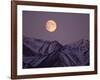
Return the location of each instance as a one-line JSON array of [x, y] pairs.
[[39, 53]]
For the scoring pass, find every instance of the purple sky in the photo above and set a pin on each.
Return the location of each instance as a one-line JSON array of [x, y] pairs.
[[70, 26]]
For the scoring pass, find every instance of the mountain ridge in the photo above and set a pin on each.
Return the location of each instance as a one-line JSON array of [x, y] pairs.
[[41, 53]]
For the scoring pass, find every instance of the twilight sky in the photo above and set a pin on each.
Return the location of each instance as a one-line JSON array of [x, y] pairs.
[[70, 26]]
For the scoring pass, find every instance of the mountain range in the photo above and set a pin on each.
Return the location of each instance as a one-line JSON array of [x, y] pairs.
[[39, 53]]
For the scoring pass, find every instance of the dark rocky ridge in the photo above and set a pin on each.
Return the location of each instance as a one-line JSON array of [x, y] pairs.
[[39, 53]]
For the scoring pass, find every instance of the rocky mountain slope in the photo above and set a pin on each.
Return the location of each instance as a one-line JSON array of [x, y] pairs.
[[39, 53]]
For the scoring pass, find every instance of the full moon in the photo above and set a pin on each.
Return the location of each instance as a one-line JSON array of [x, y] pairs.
[[51, 26]]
